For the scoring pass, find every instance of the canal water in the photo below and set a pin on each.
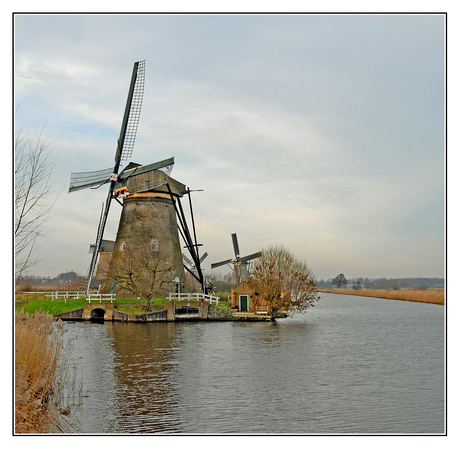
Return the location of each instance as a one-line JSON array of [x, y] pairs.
[[350, 365]]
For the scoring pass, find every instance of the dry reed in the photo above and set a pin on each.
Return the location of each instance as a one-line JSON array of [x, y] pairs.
[[432, 296], [37, 348], [19, 289]]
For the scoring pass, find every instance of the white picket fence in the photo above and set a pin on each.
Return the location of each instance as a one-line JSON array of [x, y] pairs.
[[66, 295], [59, 295], [193, 297], [101, 297]]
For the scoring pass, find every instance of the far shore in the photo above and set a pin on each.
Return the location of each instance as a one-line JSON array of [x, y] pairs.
[[430, 295]]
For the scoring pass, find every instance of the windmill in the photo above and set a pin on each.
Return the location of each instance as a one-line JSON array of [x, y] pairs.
[[240, 264], [191, 265], [142, 190]]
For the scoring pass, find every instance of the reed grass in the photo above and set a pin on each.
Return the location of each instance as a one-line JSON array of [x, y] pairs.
[[431, 296], [37, 374]]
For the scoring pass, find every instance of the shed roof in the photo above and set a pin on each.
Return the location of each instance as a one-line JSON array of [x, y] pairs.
[[243, 287]]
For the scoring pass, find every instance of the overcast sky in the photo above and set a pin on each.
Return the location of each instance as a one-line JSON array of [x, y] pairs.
[[323, 133]]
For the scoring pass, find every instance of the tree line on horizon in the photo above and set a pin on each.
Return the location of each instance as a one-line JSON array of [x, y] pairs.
[[384, 283], [223, 281]]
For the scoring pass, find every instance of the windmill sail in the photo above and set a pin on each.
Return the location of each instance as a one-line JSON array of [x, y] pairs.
[[192, 265], [187, 260], [85, 180], [236, 248], [250, 257], [126, 139], [165, 166], [220, 264], [132, 114]]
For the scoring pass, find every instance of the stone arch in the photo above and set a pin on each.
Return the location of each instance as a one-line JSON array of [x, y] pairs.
[[97, 314]]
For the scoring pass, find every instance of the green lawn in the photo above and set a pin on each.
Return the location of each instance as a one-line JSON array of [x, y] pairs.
[[59, 306], [48, 306], [223, 305]]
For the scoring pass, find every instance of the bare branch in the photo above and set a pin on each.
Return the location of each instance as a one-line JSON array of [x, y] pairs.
[[282, 281], [33, 187]]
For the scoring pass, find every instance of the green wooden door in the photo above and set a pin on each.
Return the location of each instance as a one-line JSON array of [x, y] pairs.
[[243, 303]]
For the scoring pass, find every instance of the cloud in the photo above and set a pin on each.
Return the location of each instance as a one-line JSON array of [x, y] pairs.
[[322, 133]]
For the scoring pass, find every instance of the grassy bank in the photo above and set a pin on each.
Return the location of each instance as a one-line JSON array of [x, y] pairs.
[[37, 375], [47, 306], [431, 296], [59, 306]]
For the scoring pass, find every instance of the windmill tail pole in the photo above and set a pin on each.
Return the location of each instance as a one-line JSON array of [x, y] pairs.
[[193, 248], [188, 239], [203, 284], [193, 219]]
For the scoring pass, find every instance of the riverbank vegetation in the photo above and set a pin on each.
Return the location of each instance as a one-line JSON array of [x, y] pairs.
[[431, 296], [37, 374]]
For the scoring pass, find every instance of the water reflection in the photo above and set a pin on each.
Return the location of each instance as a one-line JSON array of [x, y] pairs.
[[144, 358]]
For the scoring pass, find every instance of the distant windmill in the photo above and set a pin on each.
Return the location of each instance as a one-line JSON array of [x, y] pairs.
[[147, 191], [240, 264], [191, 265]]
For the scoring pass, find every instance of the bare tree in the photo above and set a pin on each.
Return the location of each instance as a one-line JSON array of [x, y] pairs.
[[141, 274], [283, 281], [33, 187]]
